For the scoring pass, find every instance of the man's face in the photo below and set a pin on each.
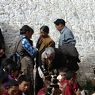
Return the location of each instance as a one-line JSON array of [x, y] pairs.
[[24, 86], [59, 27], [13, 90]]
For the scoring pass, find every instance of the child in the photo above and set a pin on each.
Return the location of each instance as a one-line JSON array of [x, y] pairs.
[[24, 84], [11, 88], [11, 68]]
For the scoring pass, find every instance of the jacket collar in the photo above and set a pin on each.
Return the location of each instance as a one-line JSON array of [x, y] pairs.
[[63, 30]]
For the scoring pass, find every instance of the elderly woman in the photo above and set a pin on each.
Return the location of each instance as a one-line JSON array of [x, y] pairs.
[[53, 58]]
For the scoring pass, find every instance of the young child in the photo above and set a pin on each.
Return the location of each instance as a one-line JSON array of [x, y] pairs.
[[24, 85], [62, 79], [11, 88], [11, 68]]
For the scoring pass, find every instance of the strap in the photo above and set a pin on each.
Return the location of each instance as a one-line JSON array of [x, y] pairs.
[[18, 44]]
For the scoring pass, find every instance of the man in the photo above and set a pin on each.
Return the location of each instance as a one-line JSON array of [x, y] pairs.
[[25, 49], [66, 35], [67, 44]]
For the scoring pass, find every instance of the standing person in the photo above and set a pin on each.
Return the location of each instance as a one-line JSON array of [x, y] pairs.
[[66, 35], [2, 47], [25, 49], [67, 44], [44, 40]]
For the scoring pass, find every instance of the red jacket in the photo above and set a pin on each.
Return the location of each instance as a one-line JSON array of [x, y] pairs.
[[42, 91]]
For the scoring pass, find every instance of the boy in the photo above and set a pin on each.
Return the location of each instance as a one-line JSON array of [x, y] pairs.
[[11, 88], [24, 85]]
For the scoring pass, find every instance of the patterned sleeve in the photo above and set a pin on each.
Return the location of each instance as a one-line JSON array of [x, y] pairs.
[[30, 49]]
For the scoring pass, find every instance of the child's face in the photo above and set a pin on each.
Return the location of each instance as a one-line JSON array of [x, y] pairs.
[[24, 86], [61, 76], [13, 90]]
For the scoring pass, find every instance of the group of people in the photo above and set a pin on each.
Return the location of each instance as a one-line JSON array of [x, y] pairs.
[[19, 80]]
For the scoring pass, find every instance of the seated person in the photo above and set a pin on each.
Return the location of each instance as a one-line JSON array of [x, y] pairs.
[[43, 90], [24, 85], [50, 86], [11, 68], [68, 85], [11, 88], [62, 78]]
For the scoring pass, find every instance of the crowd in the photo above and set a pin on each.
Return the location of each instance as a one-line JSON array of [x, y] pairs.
[[55, 67]]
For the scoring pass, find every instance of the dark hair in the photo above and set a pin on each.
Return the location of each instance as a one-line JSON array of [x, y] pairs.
[[45, 29], [63, 70], [12, 83], [3, 76], [24, 78], [9, 65], [59, 21], [26, 28], [69, 75]]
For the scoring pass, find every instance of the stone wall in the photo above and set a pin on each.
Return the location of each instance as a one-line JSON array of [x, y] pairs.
[[78, 14]]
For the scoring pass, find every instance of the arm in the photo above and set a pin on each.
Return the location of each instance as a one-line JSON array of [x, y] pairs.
[[69, 37], [27, 46], [68, 91], [51, 44]]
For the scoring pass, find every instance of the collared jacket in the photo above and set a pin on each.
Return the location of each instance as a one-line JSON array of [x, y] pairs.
[[24, 47], [66, 37]]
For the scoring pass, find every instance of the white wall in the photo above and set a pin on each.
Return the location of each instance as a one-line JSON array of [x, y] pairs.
[[79, 15]]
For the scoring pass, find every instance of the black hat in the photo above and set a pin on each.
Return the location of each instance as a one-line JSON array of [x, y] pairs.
[[59, 21]]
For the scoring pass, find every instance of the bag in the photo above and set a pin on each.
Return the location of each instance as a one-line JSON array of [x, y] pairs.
[[69, 49], [72, 56], [16, 58]]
